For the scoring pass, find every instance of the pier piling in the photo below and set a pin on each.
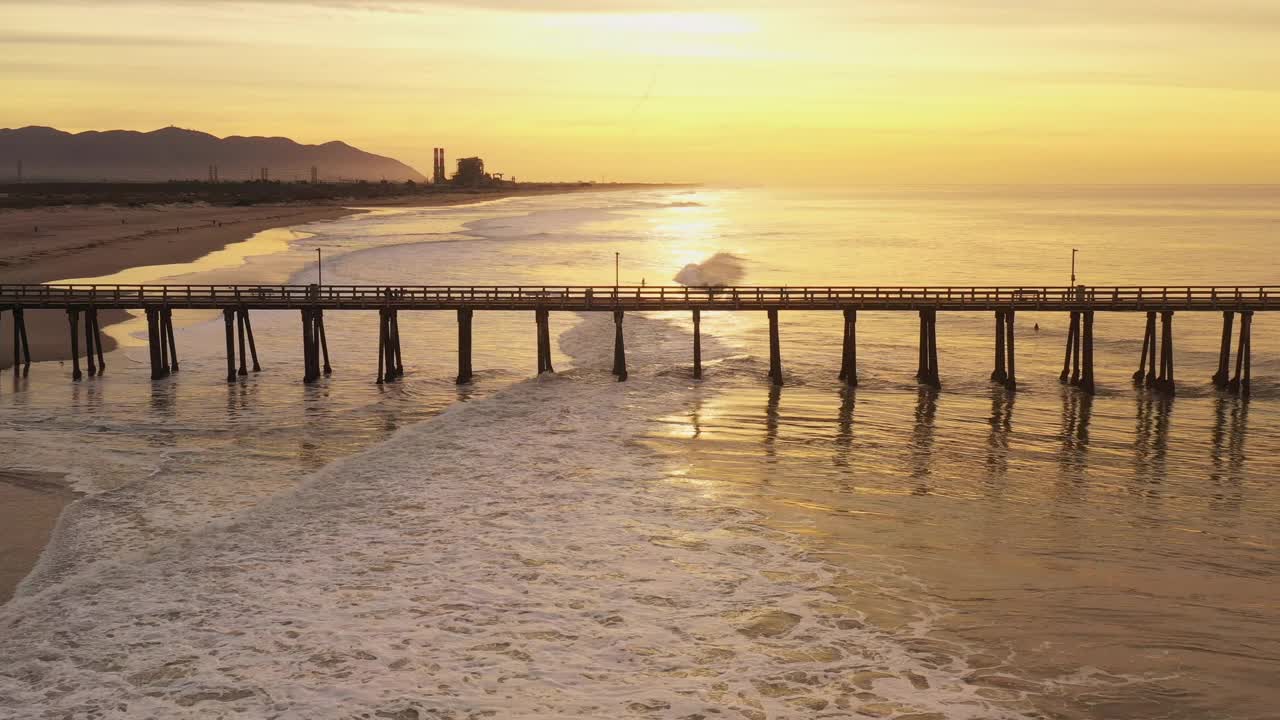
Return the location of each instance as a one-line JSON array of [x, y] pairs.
[[21, 351], [228, 318], [1240, 383], [999, 374], [163, 344], [927, 374], [166, 318], [619, 348], [382, 345], [1221, 377], [90, 364], [73, 318], [248, 335], [697, 344], [849, 349], [1071, 361], [244, 345], [464, 346], [1086, 377], [324, 343], [97, 341], [543, 320], [775, 349], [1011, 381], [1148, 351], [397, 354], [1164, 380]]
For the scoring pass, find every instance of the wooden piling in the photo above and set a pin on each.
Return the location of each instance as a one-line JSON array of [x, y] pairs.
[[1240, 383], [619, 349], [934, 379], [244, 345], [543, 320], [73, 318], [1165, 379], [308, 347], [248, 335], [775, 349], [849, 349], [21, 350], [537, 319], [391, 348], [1148, 337], [396, 352], [320, 336], [382, 345], [999, 374], [1247, 321], [1011, 379], [166, 317], [228, 318], [163, 343], [1152, 371], [922, 364], [1073, 330], [697, 344], [90, 365], [464, 346], [1086, 378], [1221, 377]]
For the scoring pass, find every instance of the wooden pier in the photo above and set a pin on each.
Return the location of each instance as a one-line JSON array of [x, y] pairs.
[[1155, 363]]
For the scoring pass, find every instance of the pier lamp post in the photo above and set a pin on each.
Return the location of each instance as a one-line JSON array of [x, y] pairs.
[[617, 263], [319, 268], [1073, 266]]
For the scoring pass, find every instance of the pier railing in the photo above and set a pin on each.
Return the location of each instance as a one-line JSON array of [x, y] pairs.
[[523, 297]]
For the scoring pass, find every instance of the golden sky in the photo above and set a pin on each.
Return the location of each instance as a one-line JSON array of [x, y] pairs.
[[745, 91]]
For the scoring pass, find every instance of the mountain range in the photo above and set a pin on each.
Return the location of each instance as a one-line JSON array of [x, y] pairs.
[[177, 154]]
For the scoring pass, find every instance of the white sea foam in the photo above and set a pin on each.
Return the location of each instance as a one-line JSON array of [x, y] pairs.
[[518, 556], [718, 270]]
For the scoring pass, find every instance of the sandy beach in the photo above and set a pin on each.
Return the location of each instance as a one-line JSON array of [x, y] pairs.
[[58, 243]]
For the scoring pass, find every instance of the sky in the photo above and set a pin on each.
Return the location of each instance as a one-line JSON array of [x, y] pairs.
[[806, 92]]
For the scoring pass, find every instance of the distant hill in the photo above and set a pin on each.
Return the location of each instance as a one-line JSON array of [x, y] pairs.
[[176, 154]]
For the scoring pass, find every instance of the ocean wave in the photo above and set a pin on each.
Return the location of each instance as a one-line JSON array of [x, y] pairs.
[[517, 556]]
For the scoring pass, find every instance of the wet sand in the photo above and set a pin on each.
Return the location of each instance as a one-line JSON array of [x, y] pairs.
[[47, 244], [56, 243], [30, 504]]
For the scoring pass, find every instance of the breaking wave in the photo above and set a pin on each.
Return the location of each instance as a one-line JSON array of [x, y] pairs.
[[518, 556], [719, 270]]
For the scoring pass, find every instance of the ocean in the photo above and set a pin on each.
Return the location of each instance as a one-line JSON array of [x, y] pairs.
[[572, 546]]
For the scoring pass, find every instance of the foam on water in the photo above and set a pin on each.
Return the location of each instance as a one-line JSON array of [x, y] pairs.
[[517, 556]]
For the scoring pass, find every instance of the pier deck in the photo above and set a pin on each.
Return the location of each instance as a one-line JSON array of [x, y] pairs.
[[629, 298], [1155, 366]]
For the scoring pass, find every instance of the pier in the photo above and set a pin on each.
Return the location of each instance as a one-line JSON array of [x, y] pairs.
[[1155, 366]]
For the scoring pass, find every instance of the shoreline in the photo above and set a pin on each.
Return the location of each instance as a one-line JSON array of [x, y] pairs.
[[49, 244], [31, 505], [32, 502]]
